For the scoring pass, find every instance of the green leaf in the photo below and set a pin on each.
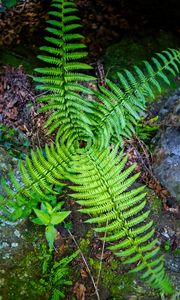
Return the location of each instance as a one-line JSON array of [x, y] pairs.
[[58, 188], [50, 235], [17, 214], [68, 225], [58, 206], [26, 143], [57, 218], [57, 295], [43, 216], [49, 207], [9, 3], [37, 221]]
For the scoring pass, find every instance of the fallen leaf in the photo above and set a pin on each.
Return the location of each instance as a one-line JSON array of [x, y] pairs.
[[84, 274], [79, 290]]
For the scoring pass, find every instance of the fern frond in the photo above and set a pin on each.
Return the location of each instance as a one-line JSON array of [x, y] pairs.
[[39, 174], [71, 118], [102, 187], [123, 104]]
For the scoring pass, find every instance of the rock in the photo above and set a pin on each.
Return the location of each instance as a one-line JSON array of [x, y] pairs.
[[6, 162], [20, 264], [167, 146], [173, 263]]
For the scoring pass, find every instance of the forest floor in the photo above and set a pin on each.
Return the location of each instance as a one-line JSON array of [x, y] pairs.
[[103, 25], [19, 111]]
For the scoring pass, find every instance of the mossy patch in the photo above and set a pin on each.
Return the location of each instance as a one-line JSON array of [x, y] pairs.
[[21, 55], [21, 264], [114, 281], [118, 285]]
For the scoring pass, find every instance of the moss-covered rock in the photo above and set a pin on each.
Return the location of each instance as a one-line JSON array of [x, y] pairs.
[[20, 261], [20, 264]]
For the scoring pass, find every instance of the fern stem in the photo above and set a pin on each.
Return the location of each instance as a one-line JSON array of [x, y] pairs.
[[102, 253]]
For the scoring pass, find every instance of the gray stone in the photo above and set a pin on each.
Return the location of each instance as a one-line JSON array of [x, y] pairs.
[[167, 146], [173, 263], [6, 162]]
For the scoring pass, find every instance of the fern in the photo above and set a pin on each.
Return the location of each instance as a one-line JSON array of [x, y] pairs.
[[121, 107], [56, 274], [60, 81], [39, 175], [60, 276], [102, 186], [102, 183]]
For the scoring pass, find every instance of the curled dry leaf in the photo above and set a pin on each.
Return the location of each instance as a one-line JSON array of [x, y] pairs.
[[79, 290], [84, 273]]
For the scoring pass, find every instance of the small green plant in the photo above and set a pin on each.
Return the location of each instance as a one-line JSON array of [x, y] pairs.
[[56, 275], [146, 130], [59, 276], [10, 141], [49, 217], [167, 245]]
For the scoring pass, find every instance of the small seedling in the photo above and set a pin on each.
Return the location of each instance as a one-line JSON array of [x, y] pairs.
[[49, 216]]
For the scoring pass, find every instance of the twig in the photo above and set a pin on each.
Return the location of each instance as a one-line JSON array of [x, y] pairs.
[[44, 93], [86, 264], [146, 154], [102, 253]]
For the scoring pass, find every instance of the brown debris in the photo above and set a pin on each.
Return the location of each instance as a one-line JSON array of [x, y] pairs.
[[79, 291], [16, 92], [17, 105], [24, 19], [84, 273], [102, 22]]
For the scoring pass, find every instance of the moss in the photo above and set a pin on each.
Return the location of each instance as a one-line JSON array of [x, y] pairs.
[[157, 205], [155, 202], [86, 242], [118, 285], [19, 284], [112, 277], [22, 267], [25, 56]]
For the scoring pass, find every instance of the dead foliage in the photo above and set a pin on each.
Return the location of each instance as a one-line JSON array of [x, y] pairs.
[[20, 21], [18, 108]]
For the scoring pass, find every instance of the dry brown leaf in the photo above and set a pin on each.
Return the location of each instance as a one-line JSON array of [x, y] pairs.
[[84, 274], [59, 243], [100, 256], [79, 290]]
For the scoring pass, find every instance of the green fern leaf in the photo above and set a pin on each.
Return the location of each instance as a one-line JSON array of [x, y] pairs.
[[123, 105], [99, 190], [38, 176], [70, 117]]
